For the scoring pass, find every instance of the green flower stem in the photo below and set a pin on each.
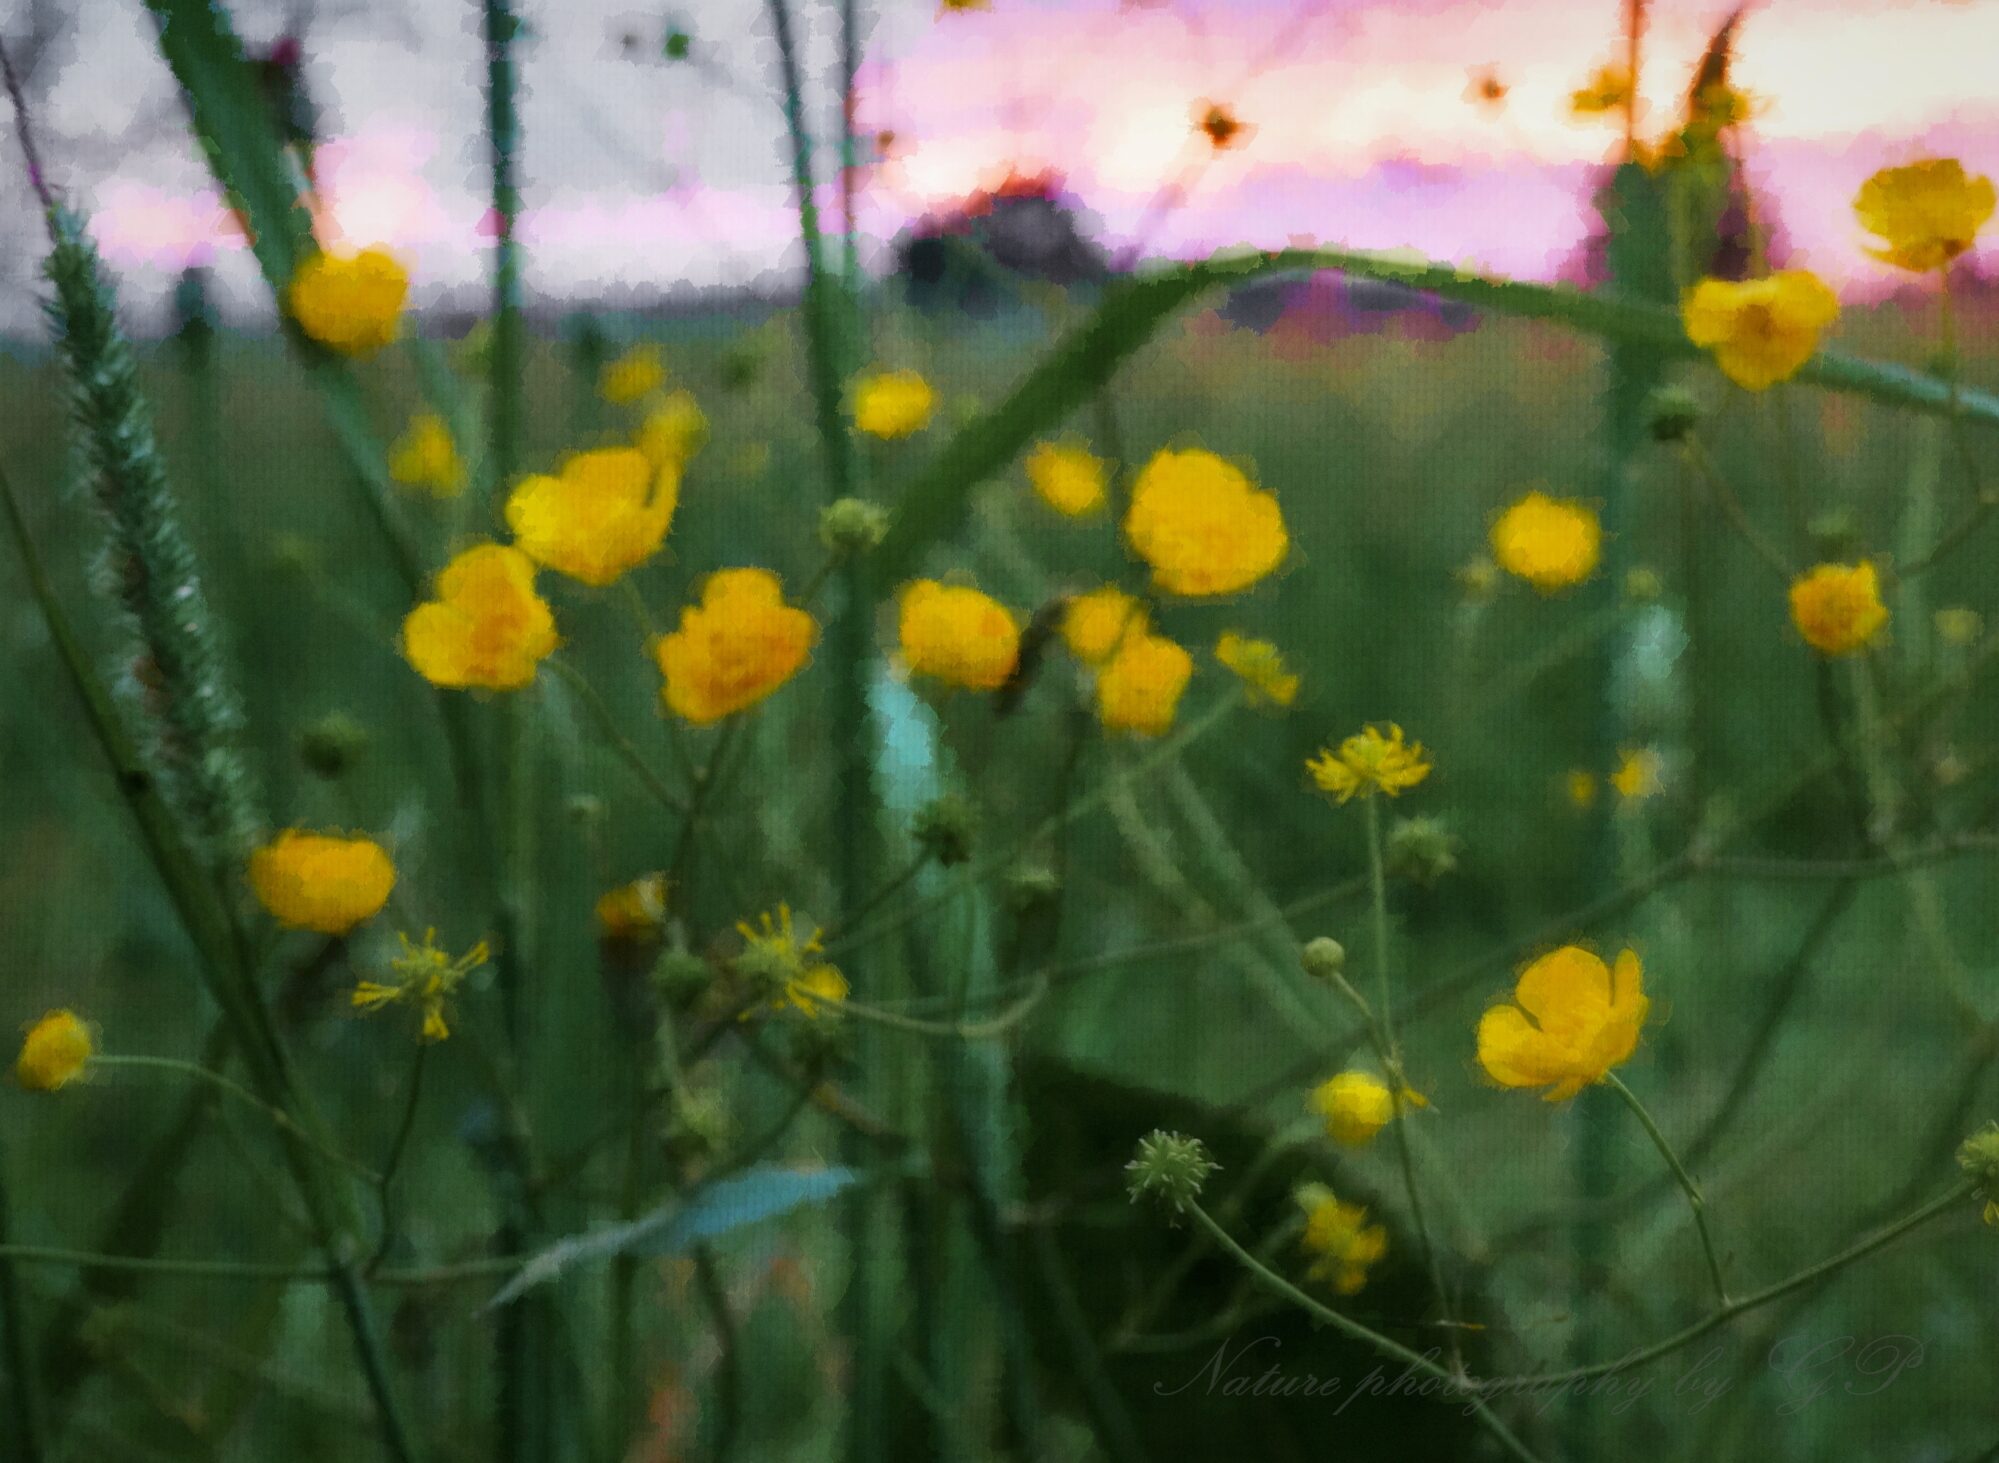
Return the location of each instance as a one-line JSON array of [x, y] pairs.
[[607, 723], [398, 1146], [1355, 1331], [1695, 1201], [225, 1085], [1697, 456], [1377, 891]]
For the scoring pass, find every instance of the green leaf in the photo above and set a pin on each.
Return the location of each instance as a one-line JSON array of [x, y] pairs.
[[1133, 310], [729, 1204]]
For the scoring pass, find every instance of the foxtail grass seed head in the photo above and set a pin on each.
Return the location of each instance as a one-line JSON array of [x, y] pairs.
[[1760, 331], [1202, 526], [1068, 477], [1672, 413], [426, 457], [1421, 850], [1344, 1246], [785, 970], [424, 978], [1551, 543], [350, 303], [1370, 761], [1926, 213], [1097, 622], [1139, 688], [674, 430], [958, 635], [321, 881], [633, 376], [1170, 1169], [892, 404], [1838, 608], [487, 628], [54, 1053], [850, 527], [607, 513], [1324, 958], [1574, 1020], [1979, 1158], [944, 828], [1259, 665], [737, 646], [330, 746]]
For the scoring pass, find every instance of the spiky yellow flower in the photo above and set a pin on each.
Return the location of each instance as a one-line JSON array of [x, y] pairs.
[[1094, 624], [891, 404], [734, 648], [673, 431], [1139, 688], [486, 628], [633, 376], [350, 303], [958, 635], [1345, 1245], [607, 513], [1369, 762], [1260, 665], [321, 881], [1585, 1020], [426, 457], [1837, 607], [1608, 90], [1760, 330], [634, 911], [426, 978], [1358, 1105], [1927, 213], [1202, 525], [1551, 543], [1068, 476], [54, 1052], [1637, 774], [778, 961]]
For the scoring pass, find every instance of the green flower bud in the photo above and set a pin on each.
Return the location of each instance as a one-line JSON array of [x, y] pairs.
[[943, 829], [1170, 1168], [1979, 1158], [680, 975], [1671, 413], [1323, 958], [852, 526], [332, 745], [1421, 850]]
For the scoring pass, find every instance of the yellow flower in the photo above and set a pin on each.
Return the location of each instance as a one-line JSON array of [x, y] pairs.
[[1958, 625], [632, 376], [891, 404], [1218, 122], [1138, 689], [634, 911], [350, 303], [1586, 1020], [1581, 787], [1069, 477], [958, 635], [1368, 762], [1928, 212], [54, 1052], [426, 457], [777, 960], [1608, 90], [1202, 525], [1338, 1233], [1549, 542], [426, 977], [1357, 1105], [1837, 607], [321, 881], [1637, 774], [673, 431], [607, 513], [1261, 667], [734, 648], [1096, 623], [487, 627], [1761, 330]]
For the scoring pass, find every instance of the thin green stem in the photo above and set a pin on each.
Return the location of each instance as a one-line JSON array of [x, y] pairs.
[[398, 1145], [1697, 456], [30, 1426], [1695, 1201], [1377, 891], [607, 723], [282, 1119]]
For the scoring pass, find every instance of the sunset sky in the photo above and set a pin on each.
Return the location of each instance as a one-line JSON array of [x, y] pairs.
[[641, 174]]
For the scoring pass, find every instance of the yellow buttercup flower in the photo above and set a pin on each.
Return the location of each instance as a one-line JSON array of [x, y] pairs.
[[1139, 688], [1927, 213], [891, 404], [54, 1053], [673, 431], [426, 978], [1637, 774], [1551, 543], [734, 648], [487, 627], [1608, 90], [1260, 665], [1346, 1246], [607, 513], [1202, 525], [1580, 785], [958, 635], [1369, 762], [1585, 1020], [777, 960], [1837, 607], [1069, 477], [350, 303], [1358, 1105], [1761, 330], [633, 376], [321, 881], [1096, 623], [634, 911], [426, 457]]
